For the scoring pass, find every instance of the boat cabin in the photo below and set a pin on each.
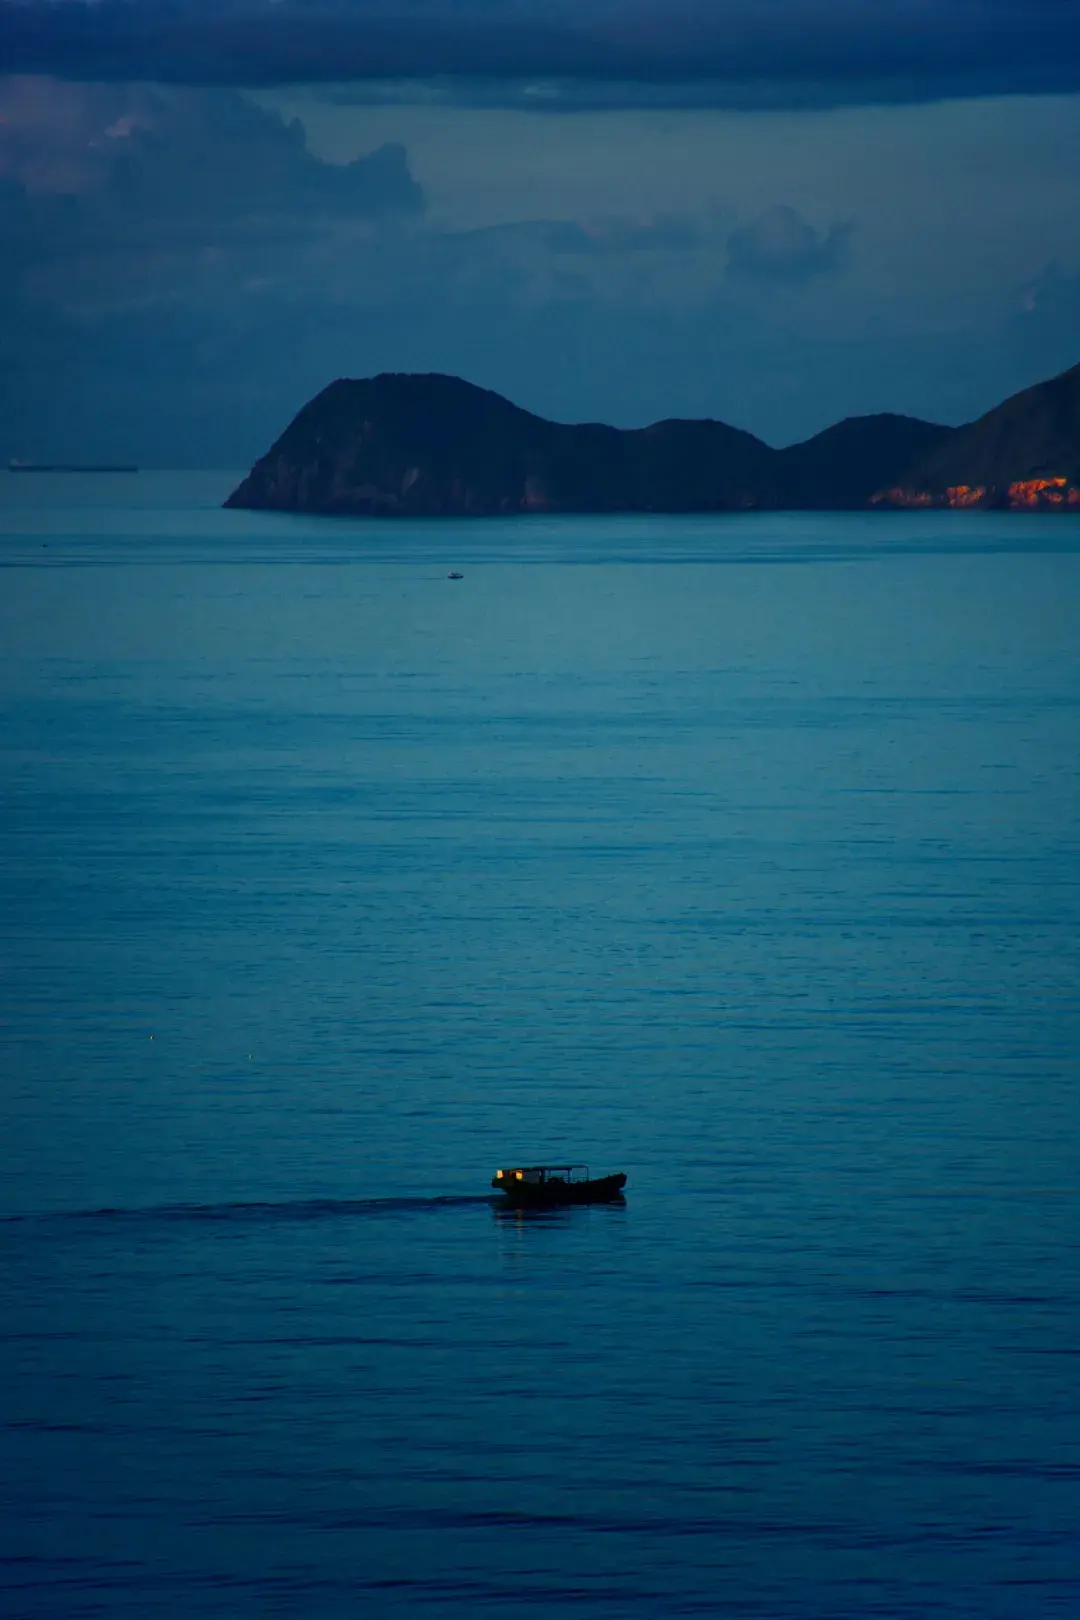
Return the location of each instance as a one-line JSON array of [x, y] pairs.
[[541, 1175]]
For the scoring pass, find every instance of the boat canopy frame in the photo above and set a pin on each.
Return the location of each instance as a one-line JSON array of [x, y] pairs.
[[540, 1174]]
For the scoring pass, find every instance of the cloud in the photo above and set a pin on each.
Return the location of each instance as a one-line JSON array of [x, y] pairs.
[[779, 246], [149, 153], [129, 197], [554, 54], [126, 207], [179, 271]]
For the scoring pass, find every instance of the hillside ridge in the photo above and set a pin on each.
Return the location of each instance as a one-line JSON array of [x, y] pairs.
[[426, 444]]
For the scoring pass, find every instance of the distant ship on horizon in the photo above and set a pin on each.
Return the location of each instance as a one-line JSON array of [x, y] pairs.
[[15, 465]]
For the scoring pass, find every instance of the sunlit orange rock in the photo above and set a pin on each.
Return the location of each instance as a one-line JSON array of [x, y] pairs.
[[1037, 493], [965, 495], [1025, 495]]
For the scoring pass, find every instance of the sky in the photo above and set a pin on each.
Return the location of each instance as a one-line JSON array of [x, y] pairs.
[[774, 212]]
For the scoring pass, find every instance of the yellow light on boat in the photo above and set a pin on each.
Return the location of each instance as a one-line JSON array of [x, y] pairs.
[[518, 1174], [498, 1175]]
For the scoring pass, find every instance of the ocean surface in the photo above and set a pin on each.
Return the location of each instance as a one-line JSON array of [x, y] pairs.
[[738, 853]]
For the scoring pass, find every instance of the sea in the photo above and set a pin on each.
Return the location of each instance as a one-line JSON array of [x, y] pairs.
[[739, 853]]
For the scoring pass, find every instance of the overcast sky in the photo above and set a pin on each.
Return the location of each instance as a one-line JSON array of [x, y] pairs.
[[778, 213]]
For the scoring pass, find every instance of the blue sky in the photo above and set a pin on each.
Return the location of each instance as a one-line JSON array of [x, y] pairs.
[[778, 214]]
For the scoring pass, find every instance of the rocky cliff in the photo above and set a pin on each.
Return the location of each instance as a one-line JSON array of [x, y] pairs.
[[1024, 455]]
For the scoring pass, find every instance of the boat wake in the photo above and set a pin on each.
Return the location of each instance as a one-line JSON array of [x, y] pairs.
[[303, 1209]]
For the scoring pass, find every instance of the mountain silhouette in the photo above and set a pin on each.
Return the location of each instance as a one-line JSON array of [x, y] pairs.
[[428, 445]]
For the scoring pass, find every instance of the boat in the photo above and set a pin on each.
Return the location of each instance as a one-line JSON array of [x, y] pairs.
[[455, 576], [541, 1185]]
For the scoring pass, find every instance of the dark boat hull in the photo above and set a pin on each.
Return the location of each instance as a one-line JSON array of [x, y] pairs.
[[604, 1190]]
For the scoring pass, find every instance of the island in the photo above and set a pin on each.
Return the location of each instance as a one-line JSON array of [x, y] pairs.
[[428, 445]]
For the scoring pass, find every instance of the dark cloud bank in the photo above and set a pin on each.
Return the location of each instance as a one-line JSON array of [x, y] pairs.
[[550, 54], [139, 154], [178, 272], [171, 261]]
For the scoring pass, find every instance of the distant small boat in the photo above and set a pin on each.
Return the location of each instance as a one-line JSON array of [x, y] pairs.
[[70, 467], [455, 576], [538, 1186]]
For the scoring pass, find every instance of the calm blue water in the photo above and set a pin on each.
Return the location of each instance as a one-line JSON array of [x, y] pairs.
[[741, 854]]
